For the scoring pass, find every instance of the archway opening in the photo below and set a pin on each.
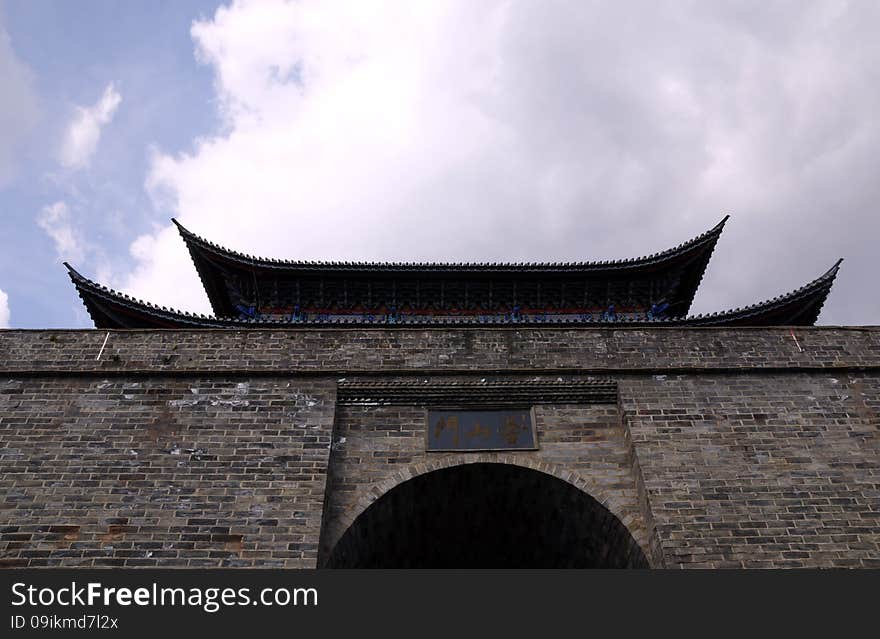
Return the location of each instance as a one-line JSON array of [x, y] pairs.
[[486, 516]]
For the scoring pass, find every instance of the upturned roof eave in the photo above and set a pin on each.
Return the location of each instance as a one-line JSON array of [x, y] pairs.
[[206, 255], [809, 297], [196, 242]]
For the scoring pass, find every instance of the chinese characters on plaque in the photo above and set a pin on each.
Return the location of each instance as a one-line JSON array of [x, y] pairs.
[[481, 430]]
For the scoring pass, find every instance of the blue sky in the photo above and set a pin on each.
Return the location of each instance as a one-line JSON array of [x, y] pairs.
[[499, 130], [73, 51]]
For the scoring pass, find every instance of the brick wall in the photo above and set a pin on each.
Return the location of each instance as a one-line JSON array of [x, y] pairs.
[[760, 471], [523, 349], [728, 447], [162, 471]]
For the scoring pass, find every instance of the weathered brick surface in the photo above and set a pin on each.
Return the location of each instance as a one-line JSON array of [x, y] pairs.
[[728, 447], [388, 349], [766, 471], [162, 472]]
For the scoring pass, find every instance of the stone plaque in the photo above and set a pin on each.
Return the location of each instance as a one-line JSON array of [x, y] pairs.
[[450, 430]]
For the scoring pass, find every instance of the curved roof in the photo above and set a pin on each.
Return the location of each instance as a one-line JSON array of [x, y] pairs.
[[682, 267], [800, 307], [705, 240], [111, 309]]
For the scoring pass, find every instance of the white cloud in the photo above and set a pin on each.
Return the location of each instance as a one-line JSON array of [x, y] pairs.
[[4, 309], [84, 131], [55, 220], [18, 107], [510, 131]]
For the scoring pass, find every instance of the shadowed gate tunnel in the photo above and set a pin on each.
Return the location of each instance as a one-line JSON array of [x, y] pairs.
[[486, 516]]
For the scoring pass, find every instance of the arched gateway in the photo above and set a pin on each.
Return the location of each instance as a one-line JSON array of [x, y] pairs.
[[486, 515]]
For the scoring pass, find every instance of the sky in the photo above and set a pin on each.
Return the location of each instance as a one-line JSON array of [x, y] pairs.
[[498, 130]]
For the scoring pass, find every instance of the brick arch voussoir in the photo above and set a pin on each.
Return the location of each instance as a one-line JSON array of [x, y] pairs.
[[372, 493]]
